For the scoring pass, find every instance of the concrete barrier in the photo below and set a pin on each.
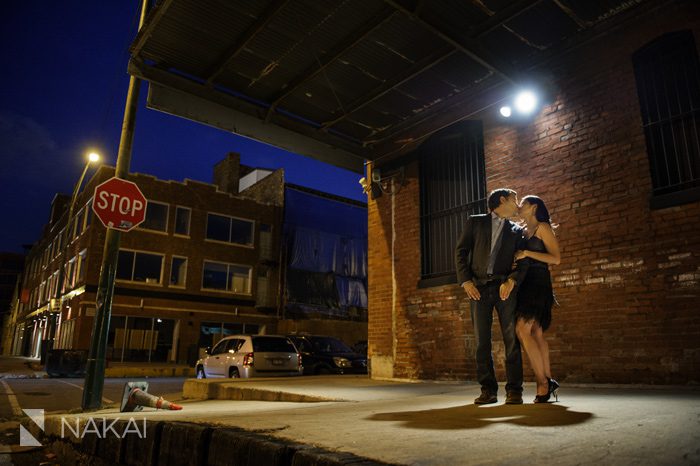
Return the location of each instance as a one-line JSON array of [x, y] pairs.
[[183, 444], [143, 451], [186, 444], [110, 447]]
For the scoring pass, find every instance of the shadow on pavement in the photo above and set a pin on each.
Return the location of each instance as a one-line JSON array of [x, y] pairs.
[[474, 417]]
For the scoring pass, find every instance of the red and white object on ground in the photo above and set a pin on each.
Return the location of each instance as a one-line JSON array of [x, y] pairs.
[[135, 397]]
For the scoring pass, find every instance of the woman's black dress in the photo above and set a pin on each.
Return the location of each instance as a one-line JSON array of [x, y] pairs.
[[535, 296]]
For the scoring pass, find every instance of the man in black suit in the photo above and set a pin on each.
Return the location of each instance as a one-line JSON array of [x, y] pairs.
[[484, 258]]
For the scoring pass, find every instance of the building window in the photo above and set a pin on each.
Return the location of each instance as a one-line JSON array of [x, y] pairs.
[[667, 72], [156, 217], [54, 283], [42, 292], [60, 239], [137, 266], [182, 221], [226, 277], [88, 213], [82, 265], [229, 229], [78, 225], [452, 187], [70, 274], [178, 271]]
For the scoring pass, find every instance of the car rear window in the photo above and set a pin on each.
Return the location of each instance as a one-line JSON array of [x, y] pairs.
[[273, 345], [329, 345]]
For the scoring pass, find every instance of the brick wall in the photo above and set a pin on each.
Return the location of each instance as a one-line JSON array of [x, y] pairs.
[[629, 279]]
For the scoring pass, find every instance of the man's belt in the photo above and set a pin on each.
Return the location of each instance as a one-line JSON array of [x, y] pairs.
[[491, 279]]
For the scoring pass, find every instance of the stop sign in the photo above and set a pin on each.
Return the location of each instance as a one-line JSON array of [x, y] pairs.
[[119, 204]]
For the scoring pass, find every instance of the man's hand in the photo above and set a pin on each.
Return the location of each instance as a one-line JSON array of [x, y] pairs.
[[506, 288], [472, 291]]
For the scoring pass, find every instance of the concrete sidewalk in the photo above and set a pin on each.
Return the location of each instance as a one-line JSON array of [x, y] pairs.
[[19, 367], [416, 423]]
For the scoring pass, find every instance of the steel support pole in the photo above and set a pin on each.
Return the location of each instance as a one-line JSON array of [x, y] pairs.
[[95, 369]]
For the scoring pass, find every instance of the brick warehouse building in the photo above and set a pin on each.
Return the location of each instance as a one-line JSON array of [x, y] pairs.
[[629, 279], [414, 89], [164, 293], [203, 264]]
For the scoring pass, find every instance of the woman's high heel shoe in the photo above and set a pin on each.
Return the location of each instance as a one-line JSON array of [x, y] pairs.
[[543, 398], [553, 386]]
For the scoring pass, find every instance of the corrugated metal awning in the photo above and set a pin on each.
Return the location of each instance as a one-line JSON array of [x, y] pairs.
[[351, 80]]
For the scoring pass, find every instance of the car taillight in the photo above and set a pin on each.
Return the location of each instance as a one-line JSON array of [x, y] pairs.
[[299, 359], [248, 359]]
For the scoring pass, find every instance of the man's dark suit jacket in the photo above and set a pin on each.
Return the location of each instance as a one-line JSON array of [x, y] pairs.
[[474, 247]]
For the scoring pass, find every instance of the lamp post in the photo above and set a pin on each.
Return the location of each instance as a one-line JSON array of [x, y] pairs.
[[93, 157], [66, 236]]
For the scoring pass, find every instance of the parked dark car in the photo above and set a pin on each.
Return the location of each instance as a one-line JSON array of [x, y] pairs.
[[328, 355]]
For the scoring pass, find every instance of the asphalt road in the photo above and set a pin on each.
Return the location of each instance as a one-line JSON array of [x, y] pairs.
[[64, 395]]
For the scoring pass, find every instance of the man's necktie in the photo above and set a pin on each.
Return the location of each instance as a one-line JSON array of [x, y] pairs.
[[495, 246]]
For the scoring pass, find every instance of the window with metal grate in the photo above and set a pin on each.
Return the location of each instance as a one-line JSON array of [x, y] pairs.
[[452, 187], [667, 71]]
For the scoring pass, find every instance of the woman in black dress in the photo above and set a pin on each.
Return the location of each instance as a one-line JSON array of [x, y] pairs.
[[533, 311]]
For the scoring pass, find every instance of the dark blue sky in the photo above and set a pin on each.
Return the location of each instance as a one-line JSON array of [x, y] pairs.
[[62, 91]]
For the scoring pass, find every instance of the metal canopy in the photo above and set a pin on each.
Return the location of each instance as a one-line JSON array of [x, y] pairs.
[[345, 81]]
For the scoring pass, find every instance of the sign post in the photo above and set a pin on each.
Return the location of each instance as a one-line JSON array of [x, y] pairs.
[[121, 206], [95, 368]]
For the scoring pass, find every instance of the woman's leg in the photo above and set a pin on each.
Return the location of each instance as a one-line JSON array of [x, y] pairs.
[[524, 330], [543, 346]]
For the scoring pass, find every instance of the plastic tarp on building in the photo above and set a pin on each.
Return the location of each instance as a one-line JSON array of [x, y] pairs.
[[327, 252], [326, 242]]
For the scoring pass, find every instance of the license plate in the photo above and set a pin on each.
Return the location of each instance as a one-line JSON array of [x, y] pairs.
[[277, 362]]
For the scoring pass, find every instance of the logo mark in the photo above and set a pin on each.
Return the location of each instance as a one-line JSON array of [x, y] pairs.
[[26, 439]]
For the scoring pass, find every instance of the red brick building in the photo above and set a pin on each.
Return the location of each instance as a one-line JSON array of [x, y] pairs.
[[203, 264], [626, 197], [210, 260]]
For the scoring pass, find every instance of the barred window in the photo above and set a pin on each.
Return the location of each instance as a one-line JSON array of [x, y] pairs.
[[452, 187], [667, 72]]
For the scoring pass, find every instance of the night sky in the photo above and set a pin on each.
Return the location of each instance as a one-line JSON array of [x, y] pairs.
[[62, 93]]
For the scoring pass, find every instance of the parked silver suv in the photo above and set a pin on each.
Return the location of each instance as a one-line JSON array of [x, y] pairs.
[[247, 356]]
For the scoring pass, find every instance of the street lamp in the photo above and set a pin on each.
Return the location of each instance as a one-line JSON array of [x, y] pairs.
[[93, 157]]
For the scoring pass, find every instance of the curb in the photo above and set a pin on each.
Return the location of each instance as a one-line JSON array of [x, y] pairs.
[[226, 390], [187, 444]]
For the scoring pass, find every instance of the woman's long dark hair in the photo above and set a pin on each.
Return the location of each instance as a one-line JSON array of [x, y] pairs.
[[541, 213]]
